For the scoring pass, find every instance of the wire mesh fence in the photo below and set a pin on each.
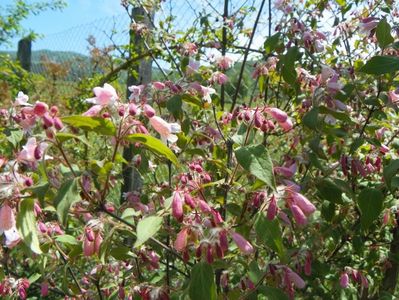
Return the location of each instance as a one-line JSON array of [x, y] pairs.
[[65, 58]]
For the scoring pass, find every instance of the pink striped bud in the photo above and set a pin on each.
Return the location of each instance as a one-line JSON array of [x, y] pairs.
[[58, 123], [189, 200], [298, 214], [242, 243], [47, 120], [44, 289], [181, 240], [205, 208], [88, 248], [258, 120], [224, 243], [37, 153], [40, 108], [149, 111], [37, 209], [158, 85], [287, 125], [42, 227], [277, 114], [133, 110], [304, 204], [296, 279], [7, 218], [89, 234], [344, 280], [177, 206], [209, 254], [272, 209], [97, 243]]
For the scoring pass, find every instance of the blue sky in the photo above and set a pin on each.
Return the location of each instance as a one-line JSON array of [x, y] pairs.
[[77, 12]]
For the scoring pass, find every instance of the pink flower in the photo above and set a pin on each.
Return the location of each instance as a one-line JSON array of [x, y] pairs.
[[149, 111], [219, 78], [12, 237], [88, 247], [393, 97], [326, 73], [7, 218], [366, 25], [165, 129], [287, 125], [136, 91], [31, 152], [44, 289], [177, 206], [93, 111], [344, 280], [189, 49], [242, 243], [105, 95], [224, 62], [21, 99]]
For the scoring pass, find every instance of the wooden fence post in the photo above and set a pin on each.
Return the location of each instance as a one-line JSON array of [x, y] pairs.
[[139, 72], [24, 54]]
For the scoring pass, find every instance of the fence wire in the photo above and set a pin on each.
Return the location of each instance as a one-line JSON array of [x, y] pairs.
[[69, 56]]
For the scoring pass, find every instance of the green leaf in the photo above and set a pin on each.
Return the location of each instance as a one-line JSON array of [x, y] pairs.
[[330, 191], [26, 225], [65, 136], [95, 124], [311, 118], [202, 283], [370, 204], [67, 195], [14, 136], [273, 293], [174, 105], [270, 234], [383, 33], [154, 145], [66, 239], [378, 65], [256, 160], [272, 42], [390, 171], [147, 228]]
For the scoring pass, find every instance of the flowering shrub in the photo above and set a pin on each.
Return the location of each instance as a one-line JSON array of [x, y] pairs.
[[291, 194]]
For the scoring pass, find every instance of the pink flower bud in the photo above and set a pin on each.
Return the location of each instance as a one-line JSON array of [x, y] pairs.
[[37, 209], [158, 85], [304, 204], [133, 110], [47, 120], [272, 209], [89, 234], [58, 123], [37, 153], [44, 289], [88, 247], [149, 111], [298, 214], [177, 206], [181, 240], [28, 182], [209, 255], [224, 243], [40, 108], [205, 208], [344, 280], [7, 218], [42, 227], [287, 125], [53, 110], [296, 279], [189, 200], [308, 265], [277, 114], [242, 243], [98, 242]]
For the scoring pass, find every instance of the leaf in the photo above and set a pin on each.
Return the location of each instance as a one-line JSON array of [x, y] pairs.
[[311, 118], [65, 136], [330, 191], [378, 65], [202, 283], [14, 136], [174, 105], [370, 204], [147, 228], [270, 234], [272, 42], [273, 293], [256, 160], [26, 225], [390, 171], [66, 239], [383, 33], [95, 124], [67, 195], [154, 145]]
